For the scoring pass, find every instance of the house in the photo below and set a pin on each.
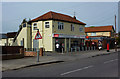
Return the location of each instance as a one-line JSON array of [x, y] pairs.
[[54, 28], [7, 39], [100, 33], [3, 40]]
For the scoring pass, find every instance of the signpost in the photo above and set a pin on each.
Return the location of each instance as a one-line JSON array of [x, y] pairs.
[[38, 36]]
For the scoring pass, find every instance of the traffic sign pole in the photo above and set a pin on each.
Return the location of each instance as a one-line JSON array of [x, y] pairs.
[[38, 55]]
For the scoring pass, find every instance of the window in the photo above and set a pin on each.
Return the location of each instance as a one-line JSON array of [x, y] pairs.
[[60, 25], [35, 26], [24, 25], [21, 42], [47, 25], [81, 29], [72, 27], [93, 34]]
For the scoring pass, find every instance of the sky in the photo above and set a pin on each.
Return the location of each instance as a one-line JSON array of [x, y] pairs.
[[92, 13]]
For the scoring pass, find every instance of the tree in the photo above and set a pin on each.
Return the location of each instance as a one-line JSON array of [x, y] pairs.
[[92, 26], [118, 38]]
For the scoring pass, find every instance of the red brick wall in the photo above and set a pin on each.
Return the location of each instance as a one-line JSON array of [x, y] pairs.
[[30, 53]]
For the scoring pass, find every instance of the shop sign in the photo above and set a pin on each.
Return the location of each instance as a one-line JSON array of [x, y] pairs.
[[56, 35], [68, 36]]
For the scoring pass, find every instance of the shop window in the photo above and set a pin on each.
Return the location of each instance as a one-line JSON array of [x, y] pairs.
[[60, 25], [35, 26], [72, 27], [47, 25]]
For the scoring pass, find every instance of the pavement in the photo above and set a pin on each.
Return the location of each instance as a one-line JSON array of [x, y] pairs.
[[50, 58]]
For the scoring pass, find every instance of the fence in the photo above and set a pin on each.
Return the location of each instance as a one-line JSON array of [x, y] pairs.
[[11, 52], [11, 49], [84, 48]]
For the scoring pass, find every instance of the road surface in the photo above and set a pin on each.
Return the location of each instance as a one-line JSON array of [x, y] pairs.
[[100, 66]]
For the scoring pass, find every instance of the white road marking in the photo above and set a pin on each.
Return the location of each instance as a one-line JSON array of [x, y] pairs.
[[110, 61], [76, 70]]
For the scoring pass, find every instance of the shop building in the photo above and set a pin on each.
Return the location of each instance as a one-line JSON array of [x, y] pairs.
[[57, 30], [104, 34]]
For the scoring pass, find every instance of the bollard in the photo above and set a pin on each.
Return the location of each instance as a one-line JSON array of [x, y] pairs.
[[79, 49], [107, 47], [94, 47], [71, 50], [75, 49], [62, 50], [67, 50], [85, 48], [82, 49], [41, 51], [90, 48]]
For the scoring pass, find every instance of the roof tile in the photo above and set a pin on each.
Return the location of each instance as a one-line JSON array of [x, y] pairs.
[[57, 16], [99, 29]]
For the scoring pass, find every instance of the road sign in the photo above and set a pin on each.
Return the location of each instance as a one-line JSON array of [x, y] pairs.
[[38, 35]]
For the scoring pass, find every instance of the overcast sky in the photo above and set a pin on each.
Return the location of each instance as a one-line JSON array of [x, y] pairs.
[[92, 13]]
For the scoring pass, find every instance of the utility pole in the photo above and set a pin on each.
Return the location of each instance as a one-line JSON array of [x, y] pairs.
[[115, 24], [115, 35], [74, 13]]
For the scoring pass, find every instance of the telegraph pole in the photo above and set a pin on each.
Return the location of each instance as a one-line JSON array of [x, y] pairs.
[[115, 35], [115, 24]]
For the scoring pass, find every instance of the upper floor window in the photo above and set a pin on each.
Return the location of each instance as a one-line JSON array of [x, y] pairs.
[[24, 25], [93, 34], [47, 25], [81, 29], [72, 27], [60, 25], [35, 26]]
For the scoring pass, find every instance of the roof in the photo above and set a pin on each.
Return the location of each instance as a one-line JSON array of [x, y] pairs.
[[3, 36], [57, 16], [99, 29], [11, 34]]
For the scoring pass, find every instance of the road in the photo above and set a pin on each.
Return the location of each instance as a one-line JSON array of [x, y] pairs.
[[100, 66]]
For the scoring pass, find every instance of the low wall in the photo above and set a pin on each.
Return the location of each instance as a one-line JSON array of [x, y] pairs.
[[11, 52], [12, 56], [30, 53], [11, 49]]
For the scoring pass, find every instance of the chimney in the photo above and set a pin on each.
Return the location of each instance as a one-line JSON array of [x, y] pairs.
[[74, 17]]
